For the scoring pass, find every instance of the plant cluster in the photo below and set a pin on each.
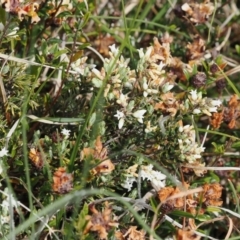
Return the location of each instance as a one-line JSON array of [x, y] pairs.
[[116, 126]]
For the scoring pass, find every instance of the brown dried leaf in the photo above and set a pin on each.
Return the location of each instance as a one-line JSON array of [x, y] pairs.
[[233, 102], [187, 235], [104, 167], [36, 157], [196, 48], [62, 181], [98, 144], [134, 234], [99, 153], [100, 222], [216, 120], [102, 44]]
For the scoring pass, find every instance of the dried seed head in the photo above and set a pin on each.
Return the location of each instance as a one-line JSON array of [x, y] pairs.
[[216, 120], [100, 222], [178, 11], [221, 84], [49, 57], [199, 79], [214, 68], [62, 181], [56, 137]]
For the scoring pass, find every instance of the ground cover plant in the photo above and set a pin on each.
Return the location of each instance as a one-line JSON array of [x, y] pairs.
[[119, 119]]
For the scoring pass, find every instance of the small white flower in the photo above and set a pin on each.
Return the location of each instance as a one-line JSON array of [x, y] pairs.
[[5, 204], [212, 109], [158, 184], [3, 152], [128, 183], [80, 65], [121, 123], [180, 129], [187, 128], [145, 172], [148, 52], [205, 111], [67, 3], [167, 87], [216, 103], [120, 116], [141, 53], [161, 66], [196, 111], [194, 95], [187, 141], [145, 85], [4, 219], [9, 200], [13, 34], [185, 7], [114, 50], [97, 73], [145, 56], [147, 90], [156, 178], [139, 115], [123, 100], [66, 132]]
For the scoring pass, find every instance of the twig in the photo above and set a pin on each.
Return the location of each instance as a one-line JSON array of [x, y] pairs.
[[21, 60], [205, 136]]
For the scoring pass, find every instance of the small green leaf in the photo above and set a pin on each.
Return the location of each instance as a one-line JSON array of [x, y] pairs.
[[64, 120], [2, 16], [18, 162], [59, 53], [86, 18], [182, 214], [203, 218], [64, 14], [81, 222], [102, 127], [44, 47], [92, 119], [213, 209], [76, 56], [237, 47], [218, 148], [236, 145], [83, 46], [97, 82]]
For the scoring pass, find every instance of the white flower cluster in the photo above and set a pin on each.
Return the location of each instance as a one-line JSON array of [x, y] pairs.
[[156, 178], [154, 77], [190, 151], [8, 202], [3, 152], [66, 133], [80, 66], [203, 105], [150, 74], [121, 75], [121, 116]]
